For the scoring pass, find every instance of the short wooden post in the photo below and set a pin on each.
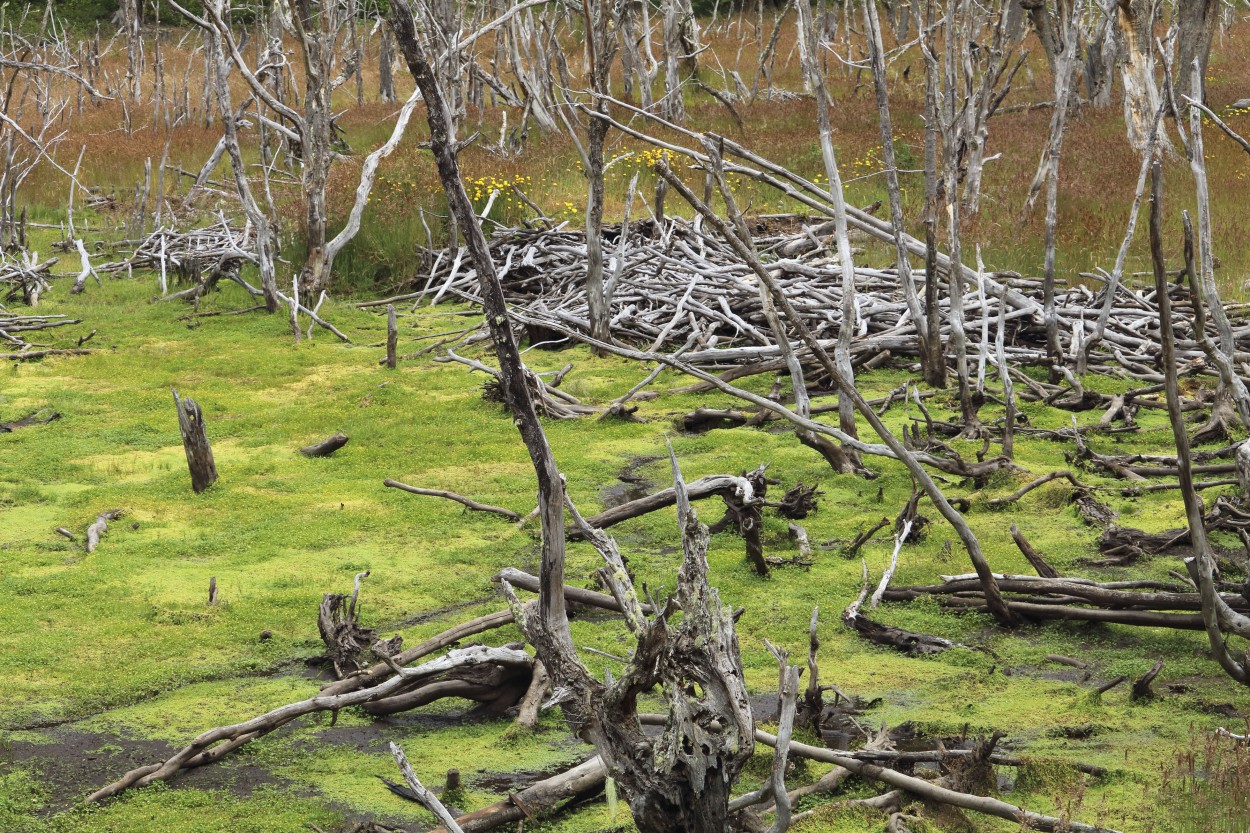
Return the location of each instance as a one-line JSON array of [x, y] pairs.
[[392, 336], [195, 442]]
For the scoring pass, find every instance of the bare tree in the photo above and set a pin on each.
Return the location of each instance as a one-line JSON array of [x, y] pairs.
[[824, 124], [130, 15], [679, 780], [386, 64], [925, 322], [639, 69], [681, 49], [600, 51], [307, 126]]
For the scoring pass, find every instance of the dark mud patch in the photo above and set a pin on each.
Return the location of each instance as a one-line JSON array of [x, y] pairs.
[[631, 485], [1064, 674], [373, 736], [73, 764], [424, 616], [511, 782]]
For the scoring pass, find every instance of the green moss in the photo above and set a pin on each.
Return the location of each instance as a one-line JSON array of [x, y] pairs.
[[123, 640]]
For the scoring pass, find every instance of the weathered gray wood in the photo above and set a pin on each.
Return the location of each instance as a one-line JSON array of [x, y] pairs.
[[195, 443], [392, 336], [461, 499], [96, 531]]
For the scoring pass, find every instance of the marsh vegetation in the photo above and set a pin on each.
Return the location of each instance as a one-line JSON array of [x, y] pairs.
[[665, 417]]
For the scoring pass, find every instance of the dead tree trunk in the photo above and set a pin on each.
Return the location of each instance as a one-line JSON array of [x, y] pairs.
[[1135, 27], [1217, 616], [815, 79], [673, 106], [1048, 175], [386, 66], [392, 336], [1047, 30], [679, 781], [928, 332], [195, 443], [130, 12], [599, 52], [1196, 20]]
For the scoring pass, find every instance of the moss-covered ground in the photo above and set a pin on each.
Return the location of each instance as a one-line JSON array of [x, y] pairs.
[[107, 660]]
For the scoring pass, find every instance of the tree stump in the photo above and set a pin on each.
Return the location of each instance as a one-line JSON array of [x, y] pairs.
[[1243, 468], [392, 336], [195, 442]]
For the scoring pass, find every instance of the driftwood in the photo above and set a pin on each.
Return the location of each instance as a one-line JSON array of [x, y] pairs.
[[96, 531], [215, 743]]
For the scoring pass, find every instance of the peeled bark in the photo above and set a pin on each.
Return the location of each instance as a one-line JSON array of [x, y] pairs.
[[1135, 27]]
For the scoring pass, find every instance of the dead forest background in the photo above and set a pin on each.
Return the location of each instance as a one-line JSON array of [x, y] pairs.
[[932, 311]]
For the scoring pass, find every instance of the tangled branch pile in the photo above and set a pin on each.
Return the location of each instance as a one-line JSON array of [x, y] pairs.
[[675, 287]]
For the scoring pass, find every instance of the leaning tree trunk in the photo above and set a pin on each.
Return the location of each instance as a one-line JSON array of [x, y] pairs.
[[928, 327], [1047, 29], [680, 780]]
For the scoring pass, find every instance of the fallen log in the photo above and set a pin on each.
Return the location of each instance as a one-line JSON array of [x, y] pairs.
[[326, 447], [537, 800], [909, 642], [704, 487], [96, 531], [1028, 487], [28, 421], [215, 743]]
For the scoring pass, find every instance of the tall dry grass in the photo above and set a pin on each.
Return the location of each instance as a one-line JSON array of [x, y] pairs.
[[1099, 168]]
